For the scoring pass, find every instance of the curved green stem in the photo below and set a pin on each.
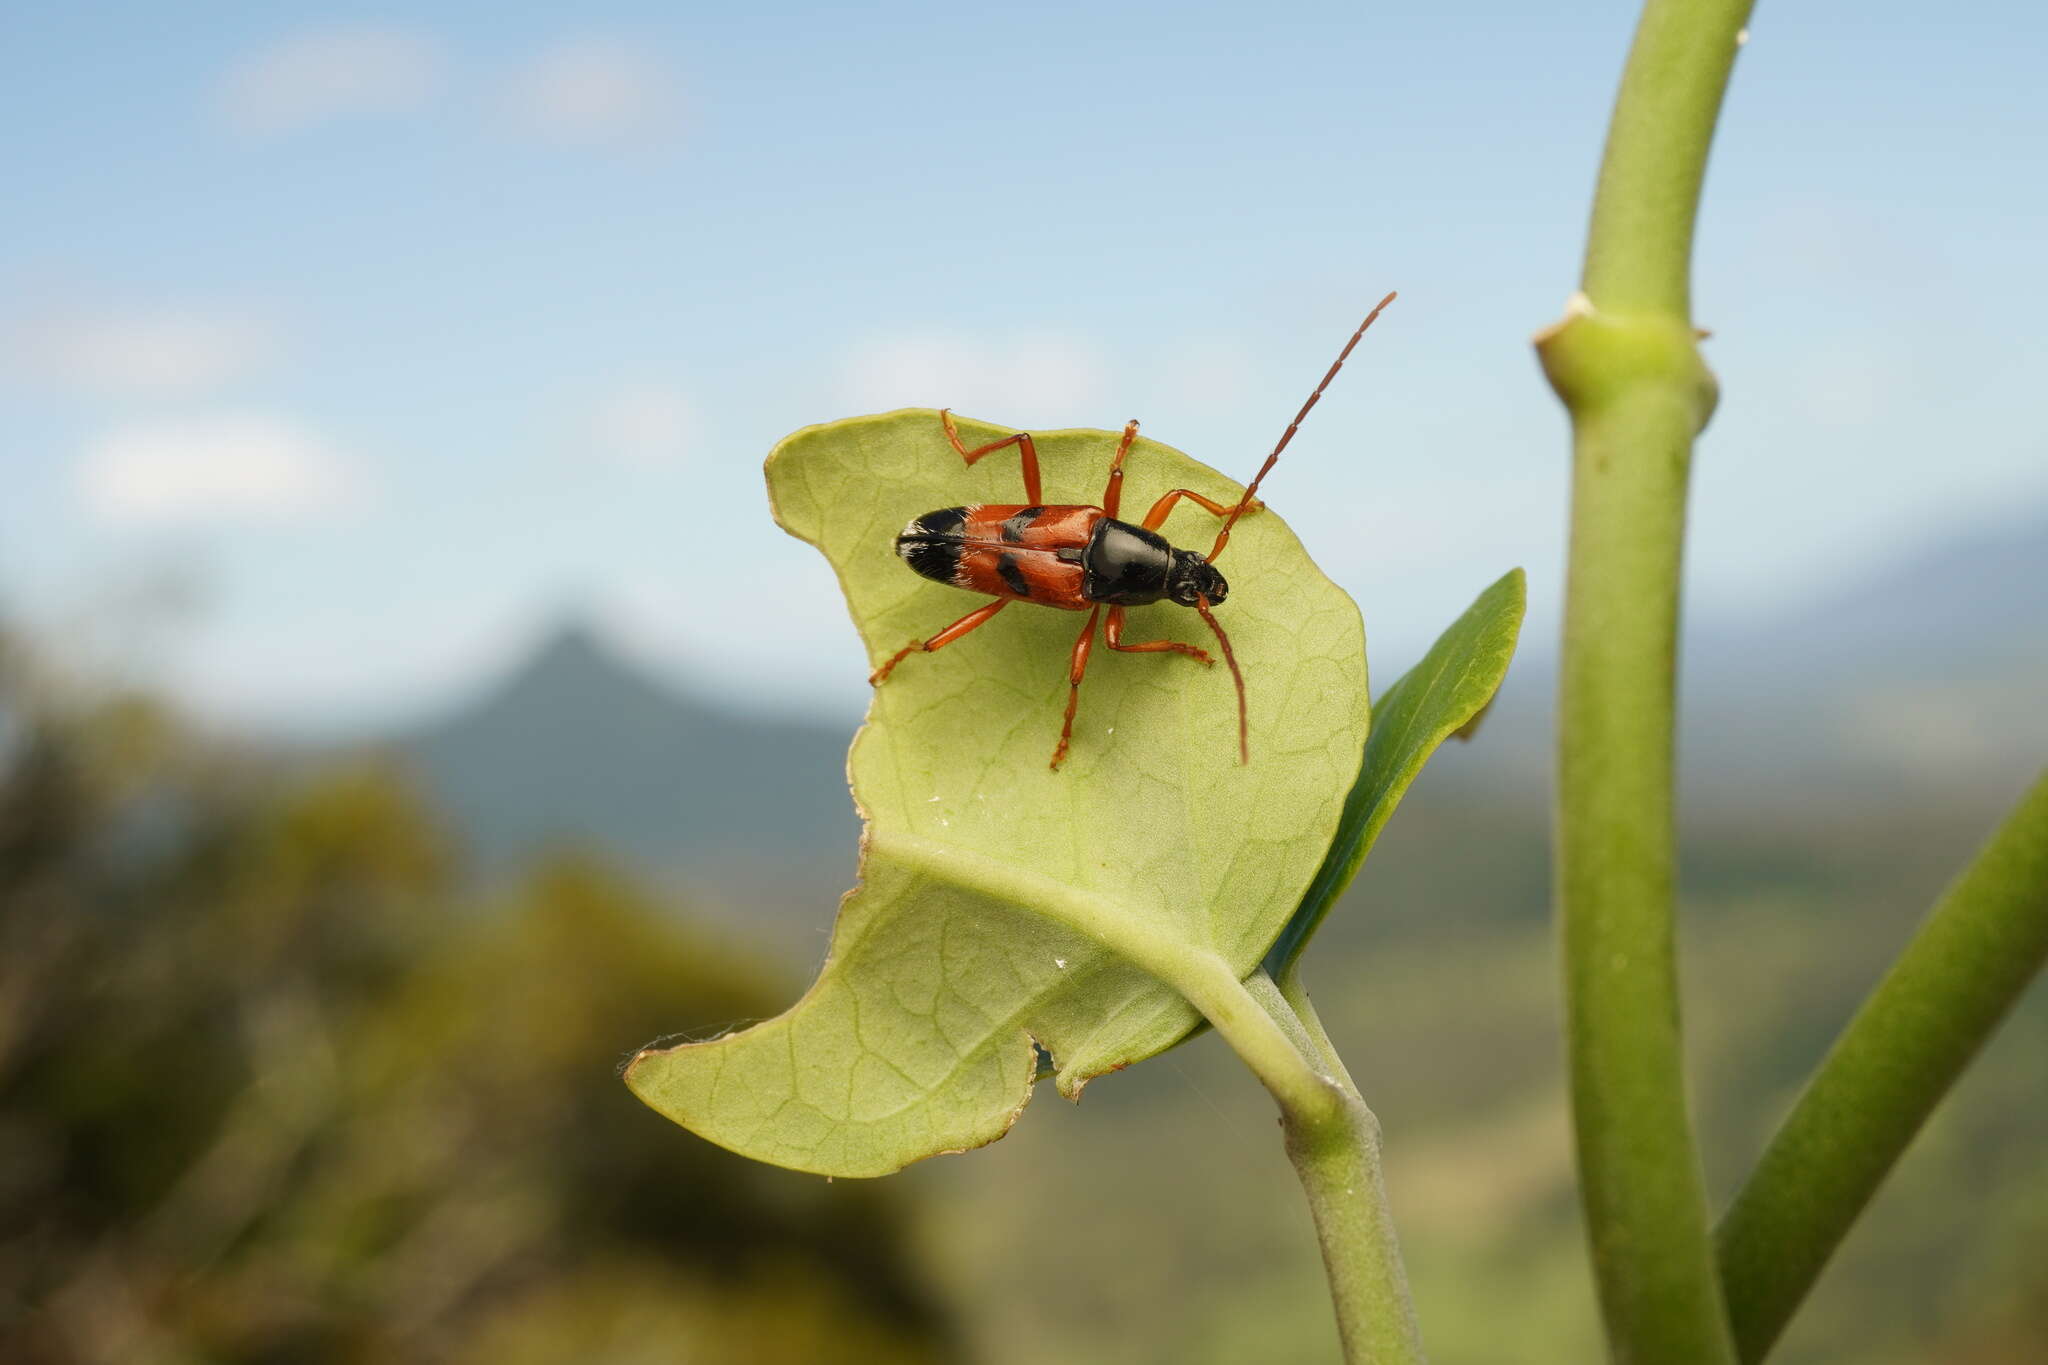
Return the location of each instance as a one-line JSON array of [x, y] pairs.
[[1308, 1095], [1626, 364], [1332, 1138], [1963, 970], [1204, 978], [1639, 247], [1336, 1155]]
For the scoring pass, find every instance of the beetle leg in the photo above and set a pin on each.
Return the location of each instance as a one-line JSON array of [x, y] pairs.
[[1113, 494], [1022, 440], [970, 621], [1113, 636], [1156, 518], [1075, 669]]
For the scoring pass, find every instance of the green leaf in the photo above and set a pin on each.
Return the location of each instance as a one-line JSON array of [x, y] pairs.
[[1445, 694], [989, 883]]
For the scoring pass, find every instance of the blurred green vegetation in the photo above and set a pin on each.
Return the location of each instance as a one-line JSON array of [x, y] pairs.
[[274, 1088], [277, 1085]]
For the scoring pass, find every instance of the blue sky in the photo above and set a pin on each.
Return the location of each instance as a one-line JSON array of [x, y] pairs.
[[373, 341]]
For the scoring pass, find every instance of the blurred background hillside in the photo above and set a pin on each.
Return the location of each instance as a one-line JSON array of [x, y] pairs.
[[407, 708]]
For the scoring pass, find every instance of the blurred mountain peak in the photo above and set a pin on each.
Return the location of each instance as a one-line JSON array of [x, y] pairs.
[[577, 742], [572, 661], [572, 638]]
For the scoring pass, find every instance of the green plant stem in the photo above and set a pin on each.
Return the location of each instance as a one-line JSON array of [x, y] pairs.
[[1308, 1095], [1296, 996], [1332, 1138], [1336, 1155], [1639, 246], [1626, 364], [1955, 981]]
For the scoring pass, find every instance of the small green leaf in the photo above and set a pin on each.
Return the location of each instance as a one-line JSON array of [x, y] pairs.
[[956, 952], [1446, 694]]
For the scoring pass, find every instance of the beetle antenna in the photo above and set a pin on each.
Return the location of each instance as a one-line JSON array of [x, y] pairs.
[[1223, 536], [1244, 744]]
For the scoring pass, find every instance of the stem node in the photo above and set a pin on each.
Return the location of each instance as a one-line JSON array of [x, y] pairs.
[[1595, 359]]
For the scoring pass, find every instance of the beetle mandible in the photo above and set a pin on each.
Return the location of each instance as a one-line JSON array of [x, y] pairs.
[[1082, 558]]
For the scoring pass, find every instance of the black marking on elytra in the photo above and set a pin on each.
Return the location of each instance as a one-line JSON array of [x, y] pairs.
[[931, 544], [946, 522], [1013, 573], [1016, 525], [933, 557]]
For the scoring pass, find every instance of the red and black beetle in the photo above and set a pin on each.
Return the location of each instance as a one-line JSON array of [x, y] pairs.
[[1082, 558]]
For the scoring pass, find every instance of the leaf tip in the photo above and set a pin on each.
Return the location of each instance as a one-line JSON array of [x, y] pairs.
[[1515, 582]]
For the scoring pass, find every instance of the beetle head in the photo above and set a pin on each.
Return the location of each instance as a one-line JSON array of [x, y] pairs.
[[1193, 578]]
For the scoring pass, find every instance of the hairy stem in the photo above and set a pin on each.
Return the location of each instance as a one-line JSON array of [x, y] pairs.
[[1336, 1155], [1955, 981], [1626, 364]]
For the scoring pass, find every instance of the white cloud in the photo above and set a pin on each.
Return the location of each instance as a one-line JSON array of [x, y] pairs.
[[1042, 380], [594, 90], [324, 74], [143, 355], [226, 467], [646, 426]]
